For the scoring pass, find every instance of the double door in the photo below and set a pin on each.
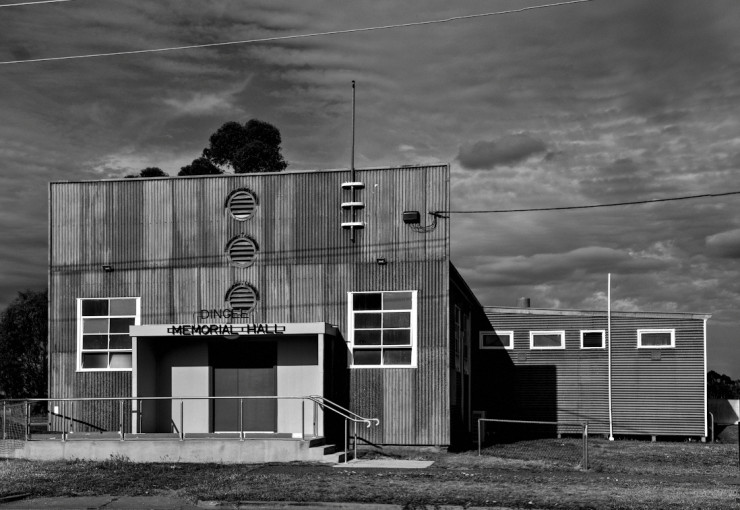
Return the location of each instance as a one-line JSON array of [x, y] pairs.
[[244, 370]]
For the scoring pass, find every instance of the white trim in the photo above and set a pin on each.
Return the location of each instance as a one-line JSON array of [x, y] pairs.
[[79, 335], [555, 332], [509, 347], [413, 329], [603, 338], [660, 330]]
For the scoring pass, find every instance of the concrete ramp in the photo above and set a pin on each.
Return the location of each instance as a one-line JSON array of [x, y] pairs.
[[197, 450]]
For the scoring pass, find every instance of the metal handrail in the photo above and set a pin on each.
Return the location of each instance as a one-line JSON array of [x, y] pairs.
[[318, 400], [342, 411]]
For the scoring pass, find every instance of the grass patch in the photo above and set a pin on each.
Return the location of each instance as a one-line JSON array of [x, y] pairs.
[[626, 475]]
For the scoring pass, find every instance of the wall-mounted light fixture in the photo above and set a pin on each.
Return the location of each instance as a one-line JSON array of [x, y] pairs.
[[107, 268], [411, 217], [381, 261]]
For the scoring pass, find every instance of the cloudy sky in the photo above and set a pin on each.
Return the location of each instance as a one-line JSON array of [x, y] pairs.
[[596, 102]]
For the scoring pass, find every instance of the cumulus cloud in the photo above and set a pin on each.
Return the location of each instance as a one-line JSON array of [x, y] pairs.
[[724, 244], [504, 151], [546, 267]]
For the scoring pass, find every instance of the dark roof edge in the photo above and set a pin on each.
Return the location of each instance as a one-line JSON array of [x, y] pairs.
[[592, 313], [255, 174]]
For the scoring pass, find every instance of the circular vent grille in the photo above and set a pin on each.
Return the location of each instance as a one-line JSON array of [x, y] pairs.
[[242, 297], [242, 204], [242, 251]]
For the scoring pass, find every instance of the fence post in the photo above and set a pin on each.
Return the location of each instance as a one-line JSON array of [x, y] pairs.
[[182, 420], [303, 419], [120, 420], [479, 439], [28, 420], [585, 445], [4, 420], [241, 419], [140, 411], [315, 419], [346, 440]]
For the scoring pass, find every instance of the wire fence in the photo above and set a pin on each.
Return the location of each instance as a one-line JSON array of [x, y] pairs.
[[562, 443], [13, 426]]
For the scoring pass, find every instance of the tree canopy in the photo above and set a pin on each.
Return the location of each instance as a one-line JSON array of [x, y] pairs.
[[252, 147], [23, 337], [722, 386], [150, 171], [200, 166]]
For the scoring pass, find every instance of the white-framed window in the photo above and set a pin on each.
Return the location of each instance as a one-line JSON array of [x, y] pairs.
[[547, 339], [382, 329], [496, 340], [592, 338], [103, 341], [656, 338]]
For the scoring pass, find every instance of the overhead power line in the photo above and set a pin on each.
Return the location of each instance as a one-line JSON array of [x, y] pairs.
[[593, 206], [291, 37], [21, 4]]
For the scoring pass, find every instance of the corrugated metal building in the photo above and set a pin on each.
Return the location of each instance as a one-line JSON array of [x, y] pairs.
[[143, 272], [559, 366]]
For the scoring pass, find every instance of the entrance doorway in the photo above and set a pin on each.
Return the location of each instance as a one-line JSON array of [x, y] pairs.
[[244, 368]]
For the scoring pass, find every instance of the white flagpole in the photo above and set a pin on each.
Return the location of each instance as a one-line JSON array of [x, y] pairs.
[[609, 342]]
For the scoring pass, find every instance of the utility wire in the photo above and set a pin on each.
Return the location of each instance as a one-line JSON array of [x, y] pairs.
[[21, 4], [593, 206], [297, 36]]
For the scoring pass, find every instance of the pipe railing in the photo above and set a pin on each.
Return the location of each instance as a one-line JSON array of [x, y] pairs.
[[318, 401], [348, 416]]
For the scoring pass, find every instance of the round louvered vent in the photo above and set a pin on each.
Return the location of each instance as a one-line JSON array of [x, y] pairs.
[[242, 251], [242, 297], [241, 204]]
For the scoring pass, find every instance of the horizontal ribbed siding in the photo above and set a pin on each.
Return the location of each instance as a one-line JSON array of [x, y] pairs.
[[167, 242], [650, 396]]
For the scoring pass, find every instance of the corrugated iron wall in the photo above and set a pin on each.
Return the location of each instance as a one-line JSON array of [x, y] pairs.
[[657, 392], [166, 240]]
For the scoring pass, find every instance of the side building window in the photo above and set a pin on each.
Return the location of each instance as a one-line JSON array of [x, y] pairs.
[[547, 339], [496, 340], [103, 342], [656, 338], [382, 329], [592, 339]]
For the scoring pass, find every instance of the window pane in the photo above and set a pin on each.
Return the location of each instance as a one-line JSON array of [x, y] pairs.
[[397, 337], [95, 342], [367, 320], [94, 325], [121, 325], [656, 339], [369, 337], [593, 339], [495, 340], [120, 342], [397, 301], [366, 301], [123, 307], [120, 360], [94, 307], [547, 340], [367, 356], [397, 357], [397, 320], [95, 360]]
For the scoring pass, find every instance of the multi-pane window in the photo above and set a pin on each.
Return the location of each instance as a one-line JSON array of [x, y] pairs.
[[496, 340], [656, 338], [102, 332], [382, 328], [547, 339], [592, 339]]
